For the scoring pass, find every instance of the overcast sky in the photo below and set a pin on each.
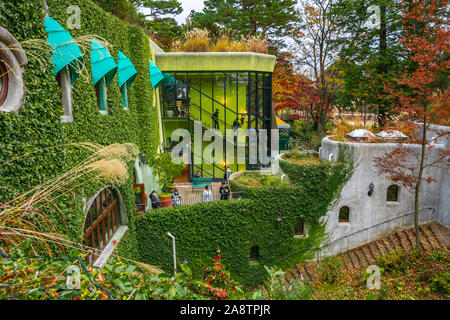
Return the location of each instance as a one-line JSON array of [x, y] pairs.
[[188, 5]]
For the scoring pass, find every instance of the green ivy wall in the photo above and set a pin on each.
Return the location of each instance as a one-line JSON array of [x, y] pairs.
[[238, 225]]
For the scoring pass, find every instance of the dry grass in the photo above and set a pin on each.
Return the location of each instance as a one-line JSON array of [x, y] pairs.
[[31, 215], [198, 40]]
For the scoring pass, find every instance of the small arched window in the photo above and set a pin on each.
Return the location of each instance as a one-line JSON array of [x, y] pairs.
[[299, 228], [3, 82], [392, 193], [344, 214], [254, 253], [64, 81], [125, 102]]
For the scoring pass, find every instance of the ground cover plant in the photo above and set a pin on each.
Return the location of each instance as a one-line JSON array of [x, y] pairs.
[[414, 275]]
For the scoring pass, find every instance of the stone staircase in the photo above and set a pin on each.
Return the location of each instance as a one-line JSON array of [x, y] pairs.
[[433, 236]]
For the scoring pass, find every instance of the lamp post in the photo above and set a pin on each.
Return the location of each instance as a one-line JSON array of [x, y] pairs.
[[170, 236]]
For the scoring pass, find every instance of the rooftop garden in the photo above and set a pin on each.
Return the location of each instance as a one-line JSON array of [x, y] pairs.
[[302, 157], [256, 179], [199, 40]]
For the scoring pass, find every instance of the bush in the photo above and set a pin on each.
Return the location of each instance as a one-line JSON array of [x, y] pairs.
[[441, 283], [253, 179], [238, 225], [396, 262], [276, 289]]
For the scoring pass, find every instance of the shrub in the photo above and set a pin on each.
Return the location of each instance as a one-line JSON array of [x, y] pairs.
[[221, 45], [330, 269], [254, 179], [441, 283], [276, 289], [396, 262]]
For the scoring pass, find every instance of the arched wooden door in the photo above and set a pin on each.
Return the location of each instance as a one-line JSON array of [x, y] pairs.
[[102, 221]]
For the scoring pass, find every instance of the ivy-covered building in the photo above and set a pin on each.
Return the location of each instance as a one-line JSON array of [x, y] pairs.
[[47, 107]]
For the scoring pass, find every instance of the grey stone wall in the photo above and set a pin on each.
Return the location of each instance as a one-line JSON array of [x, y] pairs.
[[370, 212]]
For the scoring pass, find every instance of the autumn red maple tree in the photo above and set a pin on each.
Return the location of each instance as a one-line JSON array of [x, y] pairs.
[[422, 98]]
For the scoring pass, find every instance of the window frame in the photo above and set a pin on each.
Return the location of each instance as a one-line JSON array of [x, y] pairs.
[[102, 222], [297, 234], [102, 95], [254, 259], [397, 194], [125, 97], [348, 215], [5, 82], [64, 82]]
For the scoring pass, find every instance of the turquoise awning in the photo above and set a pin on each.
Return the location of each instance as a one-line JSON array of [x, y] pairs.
[[127, 71], [156, 76], [65, 50], [168, 79], [103, 64]]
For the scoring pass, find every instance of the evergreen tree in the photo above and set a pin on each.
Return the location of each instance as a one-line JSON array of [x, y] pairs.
[[371, 52], [273, 18], [160, 8]]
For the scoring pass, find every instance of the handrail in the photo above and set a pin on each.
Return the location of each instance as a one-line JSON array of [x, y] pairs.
[[211, 115], [199, 168], [320, 247], [192, 118], [375, 225], [214, 165]]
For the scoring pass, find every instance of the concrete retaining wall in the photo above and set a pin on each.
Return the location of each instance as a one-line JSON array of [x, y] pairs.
[[367, 211]]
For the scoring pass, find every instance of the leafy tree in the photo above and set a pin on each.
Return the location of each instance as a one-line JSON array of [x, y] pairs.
[[160, 8], [161, 27], [423, 96], [292, 90], [164, 31], [370, 50], [273, 18], [123, 9], [158, 24], [317, 55]]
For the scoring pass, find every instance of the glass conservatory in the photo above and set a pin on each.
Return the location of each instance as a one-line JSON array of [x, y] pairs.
[[220, 99]]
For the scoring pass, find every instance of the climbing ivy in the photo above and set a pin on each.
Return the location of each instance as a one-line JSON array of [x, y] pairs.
[[249, 220], [37, 125]]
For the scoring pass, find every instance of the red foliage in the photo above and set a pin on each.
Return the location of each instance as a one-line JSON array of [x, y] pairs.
[[292, 90], [420, 92]]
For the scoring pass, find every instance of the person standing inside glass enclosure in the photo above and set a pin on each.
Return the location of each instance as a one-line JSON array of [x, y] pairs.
[[216, 119]]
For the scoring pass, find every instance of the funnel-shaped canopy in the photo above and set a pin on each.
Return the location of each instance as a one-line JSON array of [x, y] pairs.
[[156, 76], [103, 64], [127, 71]]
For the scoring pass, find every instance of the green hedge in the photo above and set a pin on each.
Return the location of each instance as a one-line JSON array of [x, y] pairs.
[[37, 124], [237, 225]]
